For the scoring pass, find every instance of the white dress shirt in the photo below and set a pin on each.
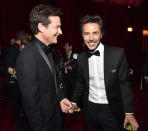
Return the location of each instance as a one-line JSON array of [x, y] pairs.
[[97, 92], [69, 54]]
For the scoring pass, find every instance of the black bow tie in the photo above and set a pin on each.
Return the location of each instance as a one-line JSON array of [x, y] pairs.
[[96, 53]]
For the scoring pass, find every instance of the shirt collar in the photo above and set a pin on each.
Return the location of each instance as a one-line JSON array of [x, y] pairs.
[[45, 48], [100, 48], [69, 53]]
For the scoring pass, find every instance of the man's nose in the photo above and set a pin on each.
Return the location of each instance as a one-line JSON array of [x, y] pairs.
[[90, 37], [60, 31]]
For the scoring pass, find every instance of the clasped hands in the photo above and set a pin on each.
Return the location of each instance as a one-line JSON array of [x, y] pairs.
[[68, 66], [68, 107]]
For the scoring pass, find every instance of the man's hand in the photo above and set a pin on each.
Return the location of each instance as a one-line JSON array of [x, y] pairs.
[[69, 68], [66, 105], [129, 118], [10, 70], [75, 108], [67, 62]]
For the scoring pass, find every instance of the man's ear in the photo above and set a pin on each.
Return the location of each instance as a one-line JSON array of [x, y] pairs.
[[41, 27]]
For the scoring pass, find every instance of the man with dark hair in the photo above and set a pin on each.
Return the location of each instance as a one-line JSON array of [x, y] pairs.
[[21, 35], [12, 52], [104, 81], [10, 55], [70, 63], [41, 96], [12, 41]]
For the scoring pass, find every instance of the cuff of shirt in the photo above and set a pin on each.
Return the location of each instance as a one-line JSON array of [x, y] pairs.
[[73, 103]]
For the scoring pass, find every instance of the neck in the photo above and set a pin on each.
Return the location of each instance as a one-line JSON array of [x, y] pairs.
[[38, 36]]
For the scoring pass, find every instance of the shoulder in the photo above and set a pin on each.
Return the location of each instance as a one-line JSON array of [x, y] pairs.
[[28, 52], [13, 47], [82, 54], [114, 49]]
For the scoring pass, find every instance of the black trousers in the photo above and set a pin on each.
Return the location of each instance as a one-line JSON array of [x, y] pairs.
[[99, 116], [20, 121], [55, 123]]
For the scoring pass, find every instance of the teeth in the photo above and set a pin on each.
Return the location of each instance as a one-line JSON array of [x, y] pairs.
[[91, 43]]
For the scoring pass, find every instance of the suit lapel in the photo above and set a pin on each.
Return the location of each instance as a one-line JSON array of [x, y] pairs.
[[106, 64], [86, 69], [49, 64], [44, 56]]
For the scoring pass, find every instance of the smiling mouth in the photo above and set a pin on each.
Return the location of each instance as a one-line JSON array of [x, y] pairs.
[[56, 36], [91, 44]]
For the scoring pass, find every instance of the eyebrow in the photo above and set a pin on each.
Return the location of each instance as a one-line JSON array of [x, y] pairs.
[[58, 25]]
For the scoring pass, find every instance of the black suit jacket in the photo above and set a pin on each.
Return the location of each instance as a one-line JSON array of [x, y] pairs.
[[70, 77], [10, 55], [73, 64], [37, 86], [116, 78]]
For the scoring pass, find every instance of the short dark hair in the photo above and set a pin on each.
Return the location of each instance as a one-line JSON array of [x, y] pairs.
[[40, 14], [21, 35], [92, 19], [69, 43], [24, 42]]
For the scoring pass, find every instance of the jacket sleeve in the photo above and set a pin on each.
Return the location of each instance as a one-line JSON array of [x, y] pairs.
[[26, 68], [124, 82], [80, 83]]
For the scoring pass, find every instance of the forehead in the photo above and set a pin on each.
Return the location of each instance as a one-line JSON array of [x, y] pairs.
[[91, 27], [66, 44], [55, 20]]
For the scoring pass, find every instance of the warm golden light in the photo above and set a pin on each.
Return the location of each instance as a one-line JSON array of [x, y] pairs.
[[145, 32], [129, 29]]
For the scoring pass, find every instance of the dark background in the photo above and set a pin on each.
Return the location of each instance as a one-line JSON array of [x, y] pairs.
[[14, 15]]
